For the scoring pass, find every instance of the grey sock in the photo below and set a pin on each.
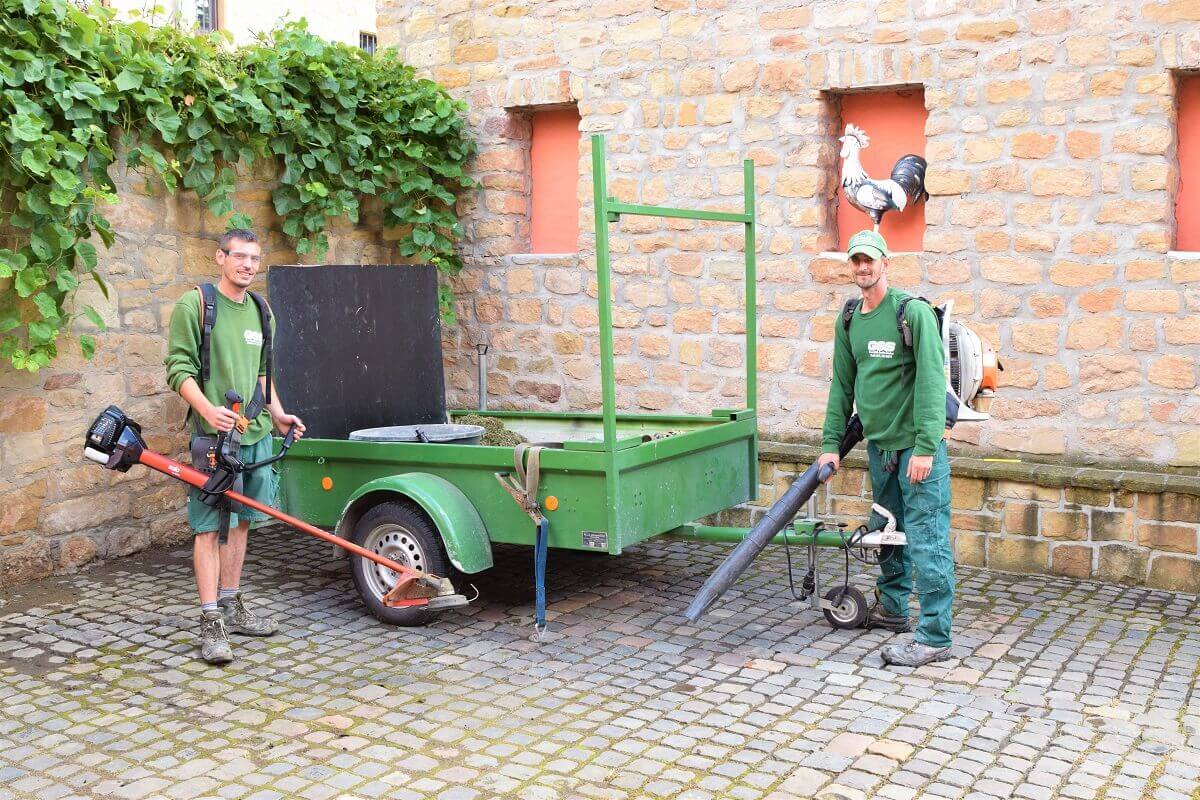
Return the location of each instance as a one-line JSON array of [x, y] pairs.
[[212, 607], [227, 594]]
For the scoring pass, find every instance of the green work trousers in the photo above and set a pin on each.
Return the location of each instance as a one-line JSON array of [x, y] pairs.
[[922, 511]]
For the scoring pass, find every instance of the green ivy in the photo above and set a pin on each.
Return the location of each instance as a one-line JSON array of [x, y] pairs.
[[79, 88]]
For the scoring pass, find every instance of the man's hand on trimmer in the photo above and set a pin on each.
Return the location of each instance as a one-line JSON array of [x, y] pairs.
[[220, 418], [284, 422]]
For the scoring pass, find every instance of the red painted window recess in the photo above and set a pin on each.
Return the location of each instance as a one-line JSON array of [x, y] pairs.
[[894, 121], [1187, 201], [554, 172]]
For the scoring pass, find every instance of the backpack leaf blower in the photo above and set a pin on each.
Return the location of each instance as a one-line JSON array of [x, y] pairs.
[[115, 441], [971, 369]]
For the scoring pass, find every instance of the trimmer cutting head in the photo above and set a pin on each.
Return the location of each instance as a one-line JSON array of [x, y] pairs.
[[114, 440]]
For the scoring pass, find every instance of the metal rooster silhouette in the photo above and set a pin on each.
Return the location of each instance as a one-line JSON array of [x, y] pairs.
[[876, 198]]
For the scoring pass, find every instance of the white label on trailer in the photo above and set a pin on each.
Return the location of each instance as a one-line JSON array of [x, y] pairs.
[[595, 540]]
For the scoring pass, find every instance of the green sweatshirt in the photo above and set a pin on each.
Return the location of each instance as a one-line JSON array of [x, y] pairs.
[[236, 357], [900, 392]]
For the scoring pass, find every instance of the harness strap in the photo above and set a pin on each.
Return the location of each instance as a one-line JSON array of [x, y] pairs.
[[264, 315], [527, 461]]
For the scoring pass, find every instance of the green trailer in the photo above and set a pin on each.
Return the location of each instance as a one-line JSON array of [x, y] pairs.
[[607, 481]]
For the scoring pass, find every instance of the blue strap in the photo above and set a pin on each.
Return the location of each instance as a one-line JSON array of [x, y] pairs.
[[539, 574]]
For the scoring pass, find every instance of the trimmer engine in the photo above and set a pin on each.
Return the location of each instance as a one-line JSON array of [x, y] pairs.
[[114, 440]]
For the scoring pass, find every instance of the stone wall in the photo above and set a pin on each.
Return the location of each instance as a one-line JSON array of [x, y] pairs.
[[1113, 525], [1051, 139], [58, 511]]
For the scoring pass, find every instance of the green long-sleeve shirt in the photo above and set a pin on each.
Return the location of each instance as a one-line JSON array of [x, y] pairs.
[[236, 357], [900, 392]]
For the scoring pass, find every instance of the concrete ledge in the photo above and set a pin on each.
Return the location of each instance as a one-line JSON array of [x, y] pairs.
[[1136, 527], [1033, 472]]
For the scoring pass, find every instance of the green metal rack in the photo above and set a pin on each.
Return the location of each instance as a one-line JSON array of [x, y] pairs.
[[608, 210]]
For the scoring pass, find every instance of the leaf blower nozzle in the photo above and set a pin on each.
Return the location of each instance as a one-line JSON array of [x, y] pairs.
[[114, 440]]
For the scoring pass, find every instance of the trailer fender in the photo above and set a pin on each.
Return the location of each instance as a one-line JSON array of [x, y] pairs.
[[456, 519]]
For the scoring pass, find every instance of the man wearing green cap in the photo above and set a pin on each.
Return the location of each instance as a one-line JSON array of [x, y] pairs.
[[900, 394]]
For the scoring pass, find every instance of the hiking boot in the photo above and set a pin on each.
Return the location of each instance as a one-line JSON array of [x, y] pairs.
[[239, 619], [913, 654], [879, 617], [214, 641]]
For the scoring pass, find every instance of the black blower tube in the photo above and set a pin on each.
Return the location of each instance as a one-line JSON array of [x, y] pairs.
[[771, 523]]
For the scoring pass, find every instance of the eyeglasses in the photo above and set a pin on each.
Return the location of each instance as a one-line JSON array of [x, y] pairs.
[[242, 256]]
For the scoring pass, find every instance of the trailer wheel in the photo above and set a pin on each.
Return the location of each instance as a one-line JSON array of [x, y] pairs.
[[404, 534], [849, 608]]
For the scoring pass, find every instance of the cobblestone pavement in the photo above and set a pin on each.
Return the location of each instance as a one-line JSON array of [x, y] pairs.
[[1061, 689]]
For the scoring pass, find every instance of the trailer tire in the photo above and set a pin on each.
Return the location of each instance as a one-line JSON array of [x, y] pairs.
[[402, 532]]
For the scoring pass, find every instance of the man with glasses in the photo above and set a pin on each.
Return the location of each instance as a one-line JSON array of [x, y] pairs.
[[236, 359]]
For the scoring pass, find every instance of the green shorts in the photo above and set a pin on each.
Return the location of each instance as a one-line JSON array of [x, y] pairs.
[[261, 484]]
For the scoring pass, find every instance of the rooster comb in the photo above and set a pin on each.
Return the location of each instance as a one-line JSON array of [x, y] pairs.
[[859, 134]]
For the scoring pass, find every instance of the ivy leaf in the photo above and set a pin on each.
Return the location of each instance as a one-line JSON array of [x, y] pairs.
[[64, 178], [35, 161], [127, 79], [166, 121], [63, 197], [11, 262], [26, 128], [240, 220], [29, 280], [41, 332], [104, 228], [8, 321], [46, 305], [87, 344], [100, 282], [86, 252], [198, 128], [43, 247], [66, 281], [94, 317]]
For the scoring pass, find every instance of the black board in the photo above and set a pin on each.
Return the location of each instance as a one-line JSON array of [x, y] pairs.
[[357, 346]]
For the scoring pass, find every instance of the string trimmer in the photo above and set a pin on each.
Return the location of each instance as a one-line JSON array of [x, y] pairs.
[[115, 441]]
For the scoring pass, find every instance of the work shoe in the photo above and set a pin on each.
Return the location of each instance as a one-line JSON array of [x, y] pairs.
[[214, 641], [879, 617], [913, 654], [239, 619]]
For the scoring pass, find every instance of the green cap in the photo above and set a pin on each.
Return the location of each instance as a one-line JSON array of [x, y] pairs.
[[868, 243]]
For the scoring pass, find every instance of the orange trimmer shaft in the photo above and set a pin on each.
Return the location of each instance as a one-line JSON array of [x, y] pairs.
[[196, 478]]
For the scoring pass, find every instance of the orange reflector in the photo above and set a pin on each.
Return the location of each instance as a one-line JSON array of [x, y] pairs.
[[327, 483], [551, 503]]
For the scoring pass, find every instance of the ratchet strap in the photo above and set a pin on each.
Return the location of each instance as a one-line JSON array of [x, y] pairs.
[[523, 487]]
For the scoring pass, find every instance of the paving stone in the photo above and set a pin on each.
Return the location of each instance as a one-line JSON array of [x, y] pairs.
[[1065, 689]]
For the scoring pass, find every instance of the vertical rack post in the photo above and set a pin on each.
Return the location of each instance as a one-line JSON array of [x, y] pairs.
[[604, 289], [751, 299]]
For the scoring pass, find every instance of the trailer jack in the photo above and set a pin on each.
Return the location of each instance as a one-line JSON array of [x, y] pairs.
[[115, 441]]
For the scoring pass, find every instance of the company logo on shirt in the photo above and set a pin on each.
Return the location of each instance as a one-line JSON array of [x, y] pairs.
[[253, 338], [881, 349]]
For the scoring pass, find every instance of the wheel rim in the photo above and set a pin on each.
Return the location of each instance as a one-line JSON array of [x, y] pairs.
[[400, 545], [845, 611]]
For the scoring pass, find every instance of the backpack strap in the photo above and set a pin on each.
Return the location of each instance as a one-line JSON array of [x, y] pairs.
[[848, 310], [902, 321], [208, 318], [264, 316]]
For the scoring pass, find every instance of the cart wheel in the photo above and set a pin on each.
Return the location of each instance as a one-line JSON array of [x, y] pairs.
[[404, 534], [850, 612]]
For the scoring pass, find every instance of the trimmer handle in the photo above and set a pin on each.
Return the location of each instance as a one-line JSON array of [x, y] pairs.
[[290, 439], [233, 400]]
